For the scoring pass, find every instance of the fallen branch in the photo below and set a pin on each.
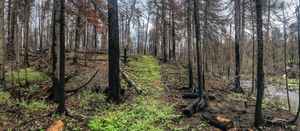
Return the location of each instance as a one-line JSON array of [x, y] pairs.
[[77, 89], [130, 82]]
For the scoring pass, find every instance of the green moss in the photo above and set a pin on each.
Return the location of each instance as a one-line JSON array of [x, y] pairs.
[[32, 76]]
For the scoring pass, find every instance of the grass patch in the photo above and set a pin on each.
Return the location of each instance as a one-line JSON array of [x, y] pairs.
[[291, 81], [237, 97], [146, 112], [32, 76], [34, 105], [266, 103], [102, 57], [89, 98]]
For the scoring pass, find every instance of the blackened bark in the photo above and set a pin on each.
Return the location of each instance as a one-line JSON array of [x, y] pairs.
[[173, 34], [189, 31], [260, 69], [114, 69], [164, 39], [61, 109], [237, 47], [198, 46]]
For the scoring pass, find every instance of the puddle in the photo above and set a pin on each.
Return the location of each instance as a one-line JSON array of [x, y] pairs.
[[275, 93]]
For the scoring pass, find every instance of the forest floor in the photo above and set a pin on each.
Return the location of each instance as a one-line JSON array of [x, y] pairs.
[[155, 104]]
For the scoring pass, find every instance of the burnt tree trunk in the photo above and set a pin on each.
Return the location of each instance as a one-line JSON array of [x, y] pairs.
[[61, 109], [260, 69], [114, 68]]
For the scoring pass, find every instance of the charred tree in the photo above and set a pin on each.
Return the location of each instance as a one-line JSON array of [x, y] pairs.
[[237, 20], [61, 109], [113, 41], [198, 46], [189, 42], [260, 68], [2, 41]]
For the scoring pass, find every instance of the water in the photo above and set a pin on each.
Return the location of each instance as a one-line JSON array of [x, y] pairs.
[[276, 93]]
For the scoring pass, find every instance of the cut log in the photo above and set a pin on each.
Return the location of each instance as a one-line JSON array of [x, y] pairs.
[[57, 126], [218, 122], [229, 123], [191, 108], [190, 95]]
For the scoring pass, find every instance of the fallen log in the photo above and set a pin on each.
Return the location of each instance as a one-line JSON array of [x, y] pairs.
[[218, 122], [202, 105], [130, 82], [191, 108], [190, 95]]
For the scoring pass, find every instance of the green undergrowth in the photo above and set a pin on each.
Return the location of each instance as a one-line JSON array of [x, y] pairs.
[[102, 57], [291, 81], [88, 99], [266, 103], [20, 75], [146, 111]]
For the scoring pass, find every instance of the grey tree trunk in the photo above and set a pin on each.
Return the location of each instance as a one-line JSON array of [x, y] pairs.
[[2, 41]]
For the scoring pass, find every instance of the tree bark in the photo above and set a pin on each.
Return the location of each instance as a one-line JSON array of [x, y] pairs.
[[258, 118], [189, 42], [237, 47], [285, 57], [198, 46], [114, 68], [61, 109], [2, 41], [298, 31]]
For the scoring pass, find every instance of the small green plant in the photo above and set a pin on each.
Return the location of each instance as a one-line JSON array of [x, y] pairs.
[[20, 75], [102, 57], [34, 105], [5, 99], [88, 98], [237, 97]]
